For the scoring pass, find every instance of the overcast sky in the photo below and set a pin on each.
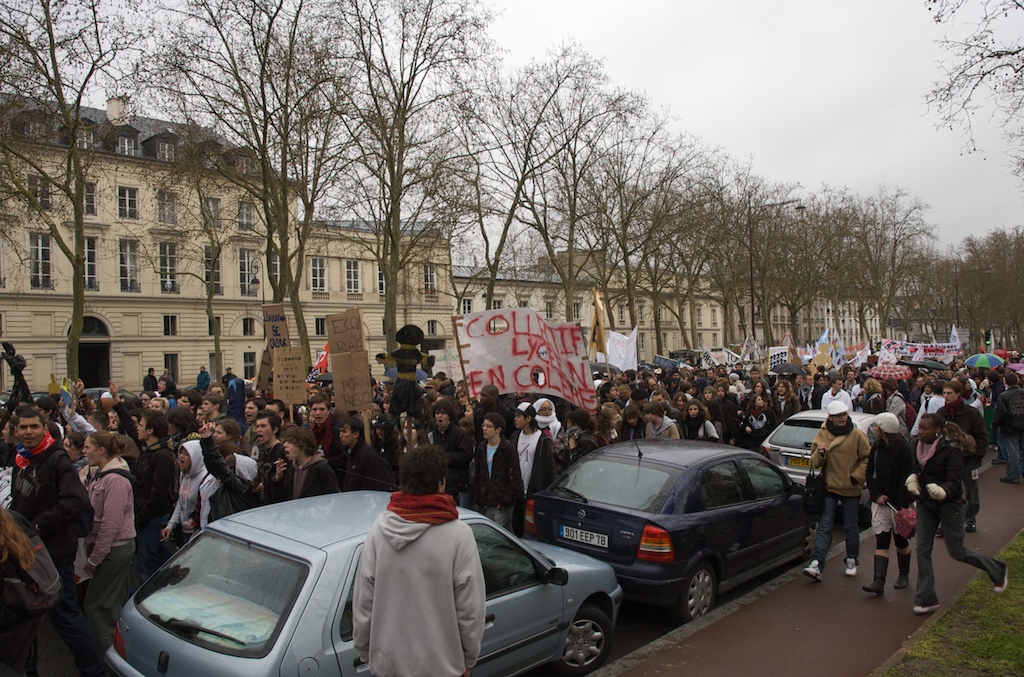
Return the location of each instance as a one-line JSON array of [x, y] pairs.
[[813, 91]]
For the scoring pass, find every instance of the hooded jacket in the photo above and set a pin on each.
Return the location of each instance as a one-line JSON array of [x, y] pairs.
[[667, 430], [113, 503], [419, 602], [188, 486]]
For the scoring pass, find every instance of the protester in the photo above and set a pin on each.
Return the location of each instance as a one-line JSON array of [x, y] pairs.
[[835, 393], [786, 401], [580, 435], [192, 473], [760, 422], [930, 403], [696, 424], [498, 481], [1008, 419], [971, 421], [304, 471], [658, 423], [419, 600], [937, 481], [365, 469], [154, 499], [18, 626], [888, 467], [230, 488], [633, 426], [536, 460]]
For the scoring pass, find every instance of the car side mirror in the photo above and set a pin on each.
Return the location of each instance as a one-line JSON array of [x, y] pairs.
[[557, 576]]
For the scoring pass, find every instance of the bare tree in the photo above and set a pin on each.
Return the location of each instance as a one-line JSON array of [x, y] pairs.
[[55, 54]]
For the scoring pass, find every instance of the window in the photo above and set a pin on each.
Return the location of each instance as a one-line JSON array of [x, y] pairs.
[[549, 310], [714, 339], [248, 327], [39, 264], [640, 312], [318, 274], [664, 339], [214, 326], [170, 325], [211, 269], [85, 139], [320, 326], [127, 202], [467, 306], [249, 365], [165, 151], [275, 267], [714, 317], [506, 566], [622, 313], [246, 215], [168, 267], [380, 281], [89, 200], [431, 327], [577, 309], [91, 279], [211, 210], [127, 145], [721, 485], [3, 280], [641, 341], [700, 316], [429, 278], [496, 304], [248, 282], [40, 190], [353, 278], [700, 338], [524, 303], [128, 261], [621, 482], [166, 207], [767, 482], [171, 364]]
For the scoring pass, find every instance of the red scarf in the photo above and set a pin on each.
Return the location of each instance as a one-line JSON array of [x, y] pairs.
[[324, 436], [25, 456], [427, 508], [951, 407]]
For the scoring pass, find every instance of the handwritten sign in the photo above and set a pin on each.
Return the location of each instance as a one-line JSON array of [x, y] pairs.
[[517, 350], [275, 323], [350, 361], [290, 375]]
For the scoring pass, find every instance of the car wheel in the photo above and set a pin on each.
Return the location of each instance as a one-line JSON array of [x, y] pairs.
[[809, 538], [699, 596], [588, 644]]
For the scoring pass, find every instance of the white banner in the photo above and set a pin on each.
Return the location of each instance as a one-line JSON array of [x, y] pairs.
[[907, 350], [517, 350], [622, 350]]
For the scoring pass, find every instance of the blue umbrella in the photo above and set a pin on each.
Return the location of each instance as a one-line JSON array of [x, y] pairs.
[[984, 360], [392, 374]]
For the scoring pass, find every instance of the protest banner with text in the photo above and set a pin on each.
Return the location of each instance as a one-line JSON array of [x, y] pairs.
[[350, 361], [290, 375], [275, 326]]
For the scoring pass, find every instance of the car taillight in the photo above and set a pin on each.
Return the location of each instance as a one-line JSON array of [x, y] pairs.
[[655, 545], [765, 449], [119, 641], [529, 524]]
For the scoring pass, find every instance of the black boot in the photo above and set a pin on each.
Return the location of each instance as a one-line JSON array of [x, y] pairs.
[[878, 585], [903, 580]]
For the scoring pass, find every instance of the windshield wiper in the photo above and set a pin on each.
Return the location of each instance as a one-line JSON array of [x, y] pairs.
[[575, 494], [178, 624]]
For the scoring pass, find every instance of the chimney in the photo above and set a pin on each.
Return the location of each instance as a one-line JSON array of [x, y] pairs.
[[117, 110]]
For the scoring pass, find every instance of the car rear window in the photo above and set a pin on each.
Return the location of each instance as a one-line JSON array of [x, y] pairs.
[[625, 483], [223, 595], [798, 434]]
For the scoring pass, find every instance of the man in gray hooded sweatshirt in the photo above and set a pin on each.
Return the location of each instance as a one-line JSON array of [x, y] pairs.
[[419, 594]]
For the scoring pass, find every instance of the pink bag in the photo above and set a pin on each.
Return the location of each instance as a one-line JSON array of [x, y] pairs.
[[905, 521]]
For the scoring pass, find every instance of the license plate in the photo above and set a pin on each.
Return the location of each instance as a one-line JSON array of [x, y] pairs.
[[581, 536], [799, 461]]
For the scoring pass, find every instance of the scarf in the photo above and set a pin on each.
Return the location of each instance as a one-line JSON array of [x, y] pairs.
[[550, 422], [25, 455], [693, 426], [951, 407], [926, 451], [324, 436], [836, 430], [426, 508]]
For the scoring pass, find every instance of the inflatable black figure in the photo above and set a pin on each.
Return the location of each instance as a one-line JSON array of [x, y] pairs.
[[19, 390], [407, 397]]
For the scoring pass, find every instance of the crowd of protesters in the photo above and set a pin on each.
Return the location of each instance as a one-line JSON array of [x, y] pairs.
[[129, 479]]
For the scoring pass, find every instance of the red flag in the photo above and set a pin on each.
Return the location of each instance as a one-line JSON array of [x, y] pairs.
[[320, 367]]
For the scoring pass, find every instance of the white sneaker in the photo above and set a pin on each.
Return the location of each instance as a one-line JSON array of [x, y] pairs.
[[851, 566], [813, 570]]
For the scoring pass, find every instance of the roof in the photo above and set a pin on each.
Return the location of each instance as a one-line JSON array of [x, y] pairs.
[[678, 453]]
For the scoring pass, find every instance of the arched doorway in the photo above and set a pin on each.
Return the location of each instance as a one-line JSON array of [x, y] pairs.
[[94, 353]]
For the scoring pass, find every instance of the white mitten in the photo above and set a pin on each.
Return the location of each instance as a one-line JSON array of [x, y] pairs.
[[913, 485], [936, 492]]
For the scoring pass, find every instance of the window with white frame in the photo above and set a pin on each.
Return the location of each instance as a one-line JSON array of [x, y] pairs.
[[664, 340], [211, 211], [249, 365], [211, 269], [700, 338], [467, 306], [497, 304], [86, 139], [431, 327], [318, 273], [700, 316], [167, 207], [128, 264], [381, 281], [320, 326], [429, 278], [639, 312], [127, 202], [248, 326], [641, 341], [40, 190], [714, 317], [714, 339], [549, 310], [89, 199], [622, 313], [39, 253], [248, 283], [165, 151], [170, 325], [127, 145], [275, 267], [246, 215], [91, 278], [524, 303], [577, 311], [353, 276], [168, 267]]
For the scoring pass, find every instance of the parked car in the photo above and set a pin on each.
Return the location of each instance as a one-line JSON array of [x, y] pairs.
[[678, 521], [94, 393], [268, 592]]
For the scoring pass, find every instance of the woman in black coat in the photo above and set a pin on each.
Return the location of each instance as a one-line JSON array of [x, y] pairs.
[[939, 462], [888, 467]]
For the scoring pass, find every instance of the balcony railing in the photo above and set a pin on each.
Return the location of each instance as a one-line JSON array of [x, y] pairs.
[[92, 285], [131, 286], [321, 296], [248, 290], [170, 287], [354, 297]]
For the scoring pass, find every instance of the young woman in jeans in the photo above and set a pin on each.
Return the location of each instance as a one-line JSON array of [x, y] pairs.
[[939, 461]]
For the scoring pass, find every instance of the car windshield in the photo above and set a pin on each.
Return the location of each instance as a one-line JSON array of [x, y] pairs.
[[223, 595], [796, 434], [625, 483]]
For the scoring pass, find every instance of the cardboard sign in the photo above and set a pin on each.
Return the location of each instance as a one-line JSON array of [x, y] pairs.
[[290, 375], [350, 361], [517, 350], [275, 323]]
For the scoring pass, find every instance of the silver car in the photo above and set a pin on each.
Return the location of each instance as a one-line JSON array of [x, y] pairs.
[[269, 592]]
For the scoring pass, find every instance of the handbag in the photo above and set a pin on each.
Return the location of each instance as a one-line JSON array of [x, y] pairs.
[[814, 493], [904, 521]]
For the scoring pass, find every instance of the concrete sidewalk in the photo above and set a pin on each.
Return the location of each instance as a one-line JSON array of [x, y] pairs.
[[795, 626]]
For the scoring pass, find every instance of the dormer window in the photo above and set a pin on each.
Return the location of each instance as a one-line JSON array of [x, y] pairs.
[[127, 145], [165, 151], [245, 165], [86, 139]]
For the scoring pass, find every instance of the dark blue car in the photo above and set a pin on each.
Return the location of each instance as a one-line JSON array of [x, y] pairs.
[[678, 521]]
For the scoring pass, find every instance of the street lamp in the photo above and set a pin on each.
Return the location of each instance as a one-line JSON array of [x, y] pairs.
[[750, 253], [253, 271]]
